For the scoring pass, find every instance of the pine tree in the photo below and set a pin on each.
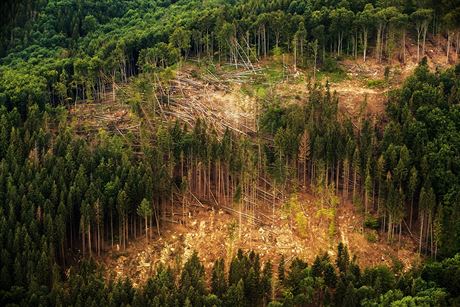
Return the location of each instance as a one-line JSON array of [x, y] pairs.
[[218, 281], [304, 155], [145, 210], [343, 258], [281, 271], [330, 278], [266, 282], [235, 295]]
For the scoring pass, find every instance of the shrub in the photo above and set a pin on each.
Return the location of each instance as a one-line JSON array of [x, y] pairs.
[[331, 65], [371, 222], [371, 236], [376, 83]]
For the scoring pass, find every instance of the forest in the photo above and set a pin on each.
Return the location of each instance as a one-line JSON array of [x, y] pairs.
[[65, 198]]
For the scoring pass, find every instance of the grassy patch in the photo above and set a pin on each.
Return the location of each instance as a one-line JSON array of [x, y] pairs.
[[329, 214], [292, 209], [302, 222], [376, 83], [333, 77], [331, 71], [274, 73], [371, 236]]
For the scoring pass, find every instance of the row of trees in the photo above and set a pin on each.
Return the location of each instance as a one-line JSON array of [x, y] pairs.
[[90, 46], [248, 282]]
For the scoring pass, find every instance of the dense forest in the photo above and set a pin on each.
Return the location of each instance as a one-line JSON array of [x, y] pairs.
[[65, 196]]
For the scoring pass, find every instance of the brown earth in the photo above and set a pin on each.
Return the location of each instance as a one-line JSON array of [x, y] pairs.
[[214, 234], [355, 88]]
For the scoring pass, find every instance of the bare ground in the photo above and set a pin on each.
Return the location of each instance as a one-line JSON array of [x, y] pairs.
[[215, 234]]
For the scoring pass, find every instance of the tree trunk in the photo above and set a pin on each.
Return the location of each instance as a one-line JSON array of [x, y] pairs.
[[89, 240], [295, 55], [448, 46], [305, 173], [411, 211], [354, 182], [364, 44], [337, 172], [424, 39], [98, 239], [111, 225], [127, 231], [421, 233], [418, 43], [390, 227], [83, 237], [404, 46], [63, 252], [366, 200], [379, 31], [146, 229], [120, 233]]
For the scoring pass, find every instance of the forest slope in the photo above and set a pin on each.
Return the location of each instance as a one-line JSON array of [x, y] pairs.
[[118, 118]]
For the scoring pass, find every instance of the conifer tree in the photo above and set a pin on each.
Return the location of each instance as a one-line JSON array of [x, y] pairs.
[[145, 210]]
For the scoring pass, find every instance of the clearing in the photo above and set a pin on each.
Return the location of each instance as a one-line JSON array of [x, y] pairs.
[[214, 233], [231, 97]]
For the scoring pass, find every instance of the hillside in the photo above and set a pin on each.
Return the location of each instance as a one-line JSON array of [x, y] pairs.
[[229, 153], [226, 98], [214, 234]]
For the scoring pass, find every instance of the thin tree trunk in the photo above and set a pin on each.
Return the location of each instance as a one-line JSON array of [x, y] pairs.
[[146, 229], [424, 39], [404, 46], [111, 225], [364, 44], [83, 237], [418, 44], [411, 211], [354, 183], [421, 233], [89, 241], [448, 46]]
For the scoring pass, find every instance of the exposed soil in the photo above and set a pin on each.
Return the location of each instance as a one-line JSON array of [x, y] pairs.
[[215, 234], [355, 88]]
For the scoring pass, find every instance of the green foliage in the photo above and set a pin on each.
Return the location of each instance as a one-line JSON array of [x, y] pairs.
[[144, 209], [281, 270], [302, 223], [422, 113], [371, 236], [218, 281], [445, 273], [372, 222], [343, 258], [331, 65], [87, 40], [376, 83], [59, 191]]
